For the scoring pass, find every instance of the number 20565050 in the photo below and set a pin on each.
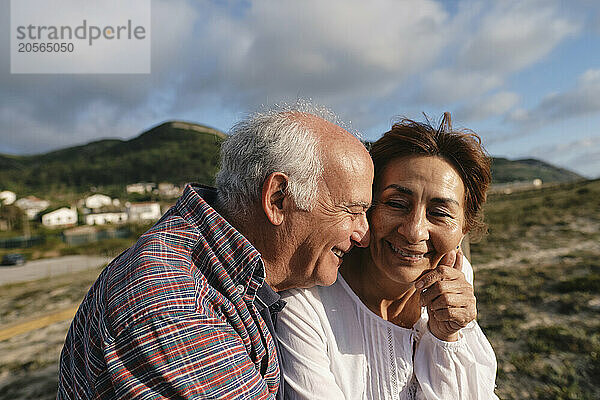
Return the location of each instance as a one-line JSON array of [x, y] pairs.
[[46, 47]]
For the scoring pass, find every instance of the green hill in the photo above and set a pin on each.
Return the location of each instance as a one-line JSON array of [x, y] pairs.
[[504, 171], [174, 151]]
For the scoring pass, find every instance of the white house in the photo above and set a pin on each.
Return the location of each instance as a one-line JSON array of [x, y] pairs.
[[98, 200], [61, 217], [141, 212], [7, 197], [168, 190], [106, 218], [141, 188], [32, 205]]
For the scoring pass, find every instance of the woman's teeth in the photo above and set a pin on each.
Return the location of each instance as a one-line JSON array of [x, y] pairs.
[[404, 254]]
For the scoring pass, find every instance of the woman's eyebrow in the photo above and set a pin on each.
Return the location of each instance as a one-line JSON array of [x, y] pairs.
[[445, 200], [399, 188], [405, 190]]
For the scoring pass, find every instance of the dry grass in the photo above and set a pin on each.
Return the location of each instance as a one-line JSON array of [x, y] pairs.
[[538, 291]]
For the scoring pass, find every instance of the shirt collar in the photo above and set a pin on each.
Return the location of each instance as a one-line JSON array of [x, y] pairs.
[[266, 297], [241, 260]]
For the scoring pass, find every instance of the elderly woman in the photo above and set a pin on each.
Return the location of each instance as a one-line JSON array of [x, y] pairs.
[[399, 323]]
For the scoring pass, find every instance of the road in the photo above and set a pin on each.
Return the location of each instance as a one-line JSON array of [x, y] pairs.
[[49, 267]]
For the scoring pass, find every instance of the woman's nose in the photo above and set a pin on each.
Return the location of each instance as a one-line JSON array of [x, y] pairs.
[[415, 227]]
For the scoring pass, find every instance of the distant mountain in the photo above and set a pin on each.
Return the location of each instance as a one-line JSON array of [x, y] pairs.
[[176, 152], [504, 171]]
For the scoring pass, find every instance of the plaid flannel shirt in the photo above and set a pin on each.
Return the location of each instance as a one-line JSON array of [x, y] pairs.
[[175, 316]]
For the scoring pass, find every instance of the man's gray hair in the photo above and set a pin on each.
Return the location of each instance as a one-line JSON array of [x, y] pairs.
[[271, 141]]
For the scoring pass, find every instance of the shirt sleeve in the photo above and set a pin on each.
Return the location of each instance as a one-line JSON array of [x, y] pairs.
[[303, 348], [182, 356], [465, 369]]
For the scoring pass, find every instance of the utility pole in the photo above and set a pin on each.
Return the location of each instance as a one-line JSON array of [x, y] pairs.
[[26, 230]]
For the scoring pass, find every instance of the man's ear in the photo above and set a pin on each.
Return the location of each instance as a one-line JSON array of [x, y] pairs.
[[273, 194]]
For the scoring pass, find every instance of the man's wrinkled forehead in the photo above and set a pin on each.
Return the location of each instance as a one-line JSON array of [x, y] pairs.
[[348, 176]]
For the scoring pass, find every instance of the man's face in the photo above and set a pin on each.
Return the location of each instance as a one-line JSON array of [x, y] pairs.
[[336, 223]]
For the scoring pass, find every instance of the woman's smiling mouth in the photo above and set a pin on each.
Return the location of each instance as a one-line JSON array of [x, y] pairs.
[[410, 256]]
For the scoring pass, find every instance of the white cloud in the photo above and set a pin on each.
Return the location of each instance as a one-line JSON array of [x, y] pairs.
[[494, 105], [516, 34], [329, 50], [447, 86], [583, 99], [42, 112], [214, 60], [209, 55], [503, 37]]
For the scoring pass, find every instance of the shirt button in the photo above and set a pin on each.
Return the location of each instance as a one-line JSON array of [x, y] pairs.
[[241, 289]]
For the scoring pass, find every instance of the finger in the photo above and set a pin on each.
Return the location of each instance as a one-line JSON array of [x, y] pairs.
[[439, 273], [458, 264], [444, 289], [457, 300], [448, 259]]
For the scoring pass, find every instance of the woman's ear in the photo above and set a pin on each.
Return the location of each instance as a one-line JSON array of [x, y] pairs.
[[273, 195]]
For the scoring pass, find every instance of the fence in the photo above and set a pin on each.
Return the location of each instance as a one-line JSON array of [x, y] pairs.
[[21, 241], [84, 235]]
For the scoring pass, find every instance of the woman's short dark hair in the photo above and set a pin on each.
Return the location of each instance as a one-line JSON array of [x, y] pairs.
[[461, 148]]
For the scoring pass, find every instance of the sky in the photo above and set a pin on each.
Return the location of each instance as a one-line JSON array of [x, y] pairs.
[[524, 75]]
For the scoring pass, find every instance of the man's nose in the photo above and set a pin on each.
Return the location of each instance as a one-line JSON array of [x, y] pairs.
[[360, 235]]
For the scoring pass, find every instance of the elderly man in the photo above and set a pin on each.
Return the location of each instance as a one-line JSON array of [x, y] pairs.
[[188, 311]]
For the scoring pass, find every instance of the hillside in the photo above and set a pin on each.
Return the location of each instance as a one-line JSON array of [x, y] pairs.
[[537, 282], [174, 151], [504, 171]]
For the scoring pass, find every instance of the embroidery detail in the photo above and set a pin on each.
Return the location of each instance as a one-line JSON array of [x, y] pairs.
[[393, 370]]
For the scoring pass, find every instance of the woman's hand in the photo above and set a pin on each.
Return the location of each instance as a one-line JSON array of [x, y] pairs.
[[449, 298]]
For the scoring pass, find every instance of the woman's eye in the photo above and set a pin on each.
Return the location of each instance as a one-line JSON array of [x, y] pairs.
[[440, 213], [397, 204]]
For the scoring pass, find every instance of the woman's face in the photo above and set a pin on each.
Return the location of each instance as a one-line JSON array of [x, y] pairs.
[[417, 217]]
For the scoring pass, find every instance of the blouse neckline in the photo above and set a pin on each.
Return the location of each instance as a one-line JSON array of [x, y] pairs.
[[368, 311]]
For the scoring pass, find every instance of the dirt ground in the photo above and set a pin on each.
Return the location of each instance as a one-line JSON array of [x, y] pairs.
[[29, 360], [30, 363]]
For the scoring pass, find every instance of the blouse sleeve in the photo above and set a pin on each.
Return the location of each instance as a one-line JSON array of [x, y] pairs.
[[303, 348], [465, 369]]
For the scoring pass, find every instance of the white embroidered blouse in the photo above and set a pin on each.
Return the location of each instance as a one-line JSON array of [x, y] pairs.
[[333, 347]]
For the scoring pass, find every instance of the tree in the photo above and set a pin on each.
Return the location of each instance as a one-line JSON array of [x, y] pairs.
[[13, 216]]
